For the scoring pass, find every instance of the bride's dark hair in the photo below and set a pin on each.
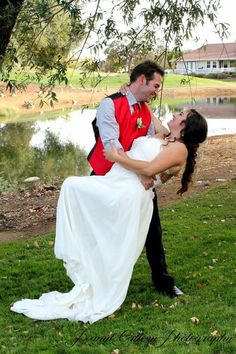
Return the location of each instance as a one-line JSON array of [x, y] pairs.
[[193, 133]]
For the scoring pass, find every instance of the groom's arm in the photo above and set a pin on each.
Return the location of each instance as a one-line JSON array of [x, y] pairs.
[[107, 124]]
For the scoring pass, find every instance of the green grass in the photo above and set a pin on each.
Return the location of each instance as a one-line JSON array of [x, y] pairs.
[[110, 81], [171, 81], [199, 236]]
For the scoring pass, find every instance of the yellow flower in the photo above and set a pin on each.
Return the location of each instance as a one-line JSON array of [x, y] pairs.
[[139, 123]]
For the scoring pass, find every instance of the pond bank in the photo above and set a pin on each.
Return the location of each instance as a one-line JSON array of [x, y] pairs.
[[72, 98]]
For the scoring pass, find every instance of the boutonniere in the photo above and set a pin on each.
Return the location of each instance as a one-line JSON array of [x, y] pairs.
[[139, 123]]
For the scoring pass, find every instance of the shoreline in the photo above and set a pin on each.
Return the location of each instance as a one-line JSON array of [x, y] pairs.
[[70, 98]]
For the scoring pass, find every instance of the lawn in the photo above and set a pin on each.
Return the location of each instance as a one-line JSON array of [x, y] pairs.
[[109, 81], [199, 236], [171, 81]]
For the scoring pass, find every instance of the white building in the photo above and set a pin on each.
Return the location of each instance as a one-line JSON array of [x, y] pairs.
[[210, 58]]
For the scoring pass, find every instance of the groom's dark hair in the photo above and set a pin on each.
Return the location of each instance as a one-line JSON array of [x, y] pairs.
[[147, 68]]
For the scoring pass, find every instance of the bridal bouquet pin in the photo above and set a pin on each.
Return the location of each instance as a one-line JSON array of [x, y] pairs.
[[139, 123]]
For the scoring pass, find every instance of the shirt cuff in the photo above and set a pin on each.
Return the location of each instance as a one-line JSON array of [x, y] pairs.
[[115, 142]]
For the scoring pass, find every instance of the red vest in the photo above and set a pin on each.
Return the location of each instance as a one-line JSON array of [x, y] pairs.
[[128, 132]]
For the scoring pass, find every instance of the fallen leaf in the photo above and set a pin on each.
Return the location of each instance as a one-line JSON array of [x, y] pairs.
[[200, 286], [173, 305], [195, 320], [215, 334], [133, 306], [36, 245], [115, 351]]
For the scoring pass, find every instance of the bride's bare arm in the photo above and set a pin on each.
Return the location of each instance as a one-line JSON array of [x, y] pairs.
[[172, 156]]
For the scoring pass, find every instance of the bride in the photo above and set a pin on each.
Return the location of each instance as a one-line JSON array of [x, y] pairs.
[[102, 222]]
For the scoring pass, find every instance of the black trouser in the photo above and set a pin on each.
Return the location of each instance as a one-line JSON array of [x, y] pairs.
[[156, 254]]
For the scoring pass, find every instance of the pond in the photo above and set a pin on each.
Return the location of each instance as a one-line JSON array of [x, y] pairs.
[[53, 149]]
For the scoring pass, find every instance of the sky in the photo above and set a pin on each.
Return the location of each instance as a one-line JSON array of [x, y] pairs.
[[206, 33], [226, 14]]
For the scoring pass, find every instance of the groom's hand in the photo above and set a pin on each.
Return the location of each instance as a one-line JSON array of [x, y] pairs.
[[147, 182], [164, 176]]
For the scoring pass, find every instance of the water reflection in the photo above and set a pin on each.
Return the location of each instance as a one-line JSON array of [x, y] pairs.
[[56, 148], [211, 107], [53, 160], [74, 127]]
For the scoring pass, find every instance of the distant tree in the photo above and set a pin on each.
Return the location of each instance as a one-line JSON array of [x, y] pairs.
[[115, 57], [121, 56]]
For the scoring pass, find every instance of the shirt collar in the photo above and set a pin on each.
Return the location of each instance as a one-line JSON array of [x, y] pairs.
[[131, 99]]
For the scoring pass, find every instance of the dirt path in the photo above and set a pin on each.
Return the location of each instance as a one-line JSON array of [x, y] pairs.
[[28, 214]]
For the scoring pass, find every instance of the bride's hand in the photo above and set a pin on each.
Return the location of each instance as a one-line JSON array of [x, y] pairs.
[[124, 88]]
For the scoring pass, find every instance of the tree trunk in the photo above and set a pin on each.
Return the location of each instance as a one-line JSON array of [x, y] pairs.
[[9, 10]]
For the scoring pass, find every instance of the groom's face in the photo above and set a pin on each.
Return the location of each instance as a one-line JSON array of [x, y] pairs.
[[149, 89]]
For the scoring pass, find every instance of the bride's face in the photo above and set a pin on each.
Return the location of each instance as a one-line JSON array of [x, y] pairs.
[[177, 121]]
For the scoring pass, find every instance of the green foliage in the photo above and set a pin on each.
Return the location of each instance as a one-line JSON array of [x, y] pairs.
[[124, 55], [6, 186], [199, 237], [46, 30], [44, 97], [44, 34]]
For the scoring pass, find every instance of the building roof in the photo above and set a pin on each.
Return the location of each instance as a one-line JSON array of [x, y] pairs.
[[217, 51]]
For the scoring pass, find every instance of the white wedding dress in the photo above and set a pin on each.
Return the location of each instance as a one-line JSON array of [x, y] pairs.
[[102, 223]]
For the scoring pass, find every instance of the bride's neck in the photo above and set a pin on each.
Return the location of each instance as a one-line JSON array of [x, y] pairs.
[[172, 136]]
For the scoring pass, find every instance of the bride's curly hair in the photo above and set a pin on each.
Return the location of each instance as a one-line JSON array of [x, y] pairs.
[[193, 133]]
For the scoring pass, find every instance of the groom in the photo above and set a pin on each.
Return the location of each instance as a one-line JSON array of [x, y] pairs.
[[123, 118]]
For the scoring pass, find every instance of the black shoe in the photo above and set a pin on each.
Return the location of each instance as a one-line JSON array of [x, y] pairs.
[[171, 292], [164, 284]]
